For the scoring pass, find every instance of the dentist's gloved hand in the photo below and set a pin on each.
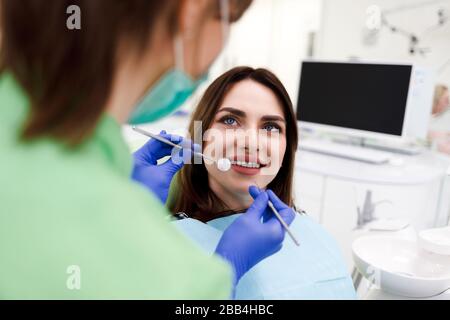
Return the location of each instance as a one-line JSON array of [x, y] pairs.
[[256, 234], [156, 177]]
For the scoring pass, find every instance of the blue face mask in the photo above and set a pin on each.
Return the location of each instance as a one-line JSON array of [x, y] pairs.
[[166, 96], [169, 92]]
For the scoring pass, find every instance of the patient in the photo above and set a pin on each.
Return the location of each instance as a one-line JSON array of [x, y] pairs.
[[247, 116]]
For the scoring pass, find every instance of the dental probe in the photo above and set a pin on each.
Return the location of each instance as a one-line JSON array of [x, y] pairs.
[[284, 224], [223, 164]]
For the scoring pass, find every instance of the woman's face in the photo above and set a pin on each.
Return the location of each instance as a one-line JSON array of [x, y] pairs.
[[249, 128]]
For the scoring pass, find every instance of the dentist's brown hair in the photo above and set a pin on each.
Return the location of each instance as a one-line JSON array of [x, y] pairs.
[[192, 194], [68, 74]]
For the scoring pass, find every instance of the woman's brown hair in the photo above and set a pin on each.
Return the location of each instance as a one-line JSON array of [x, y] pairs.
[[193, 195], [68, 74]]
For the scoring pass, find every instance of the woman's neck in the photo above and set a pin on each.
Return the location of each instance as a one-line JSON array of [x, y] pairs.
[[234, 201]]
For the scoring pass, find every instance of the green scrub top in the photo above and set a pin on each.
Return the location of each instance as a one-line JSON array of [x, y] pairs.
[[74, 226]]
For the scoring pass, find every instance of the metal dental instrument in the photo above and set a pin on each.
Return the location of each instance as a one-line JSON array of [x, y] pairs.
[[286, 227], [284, 224], [223, 164]]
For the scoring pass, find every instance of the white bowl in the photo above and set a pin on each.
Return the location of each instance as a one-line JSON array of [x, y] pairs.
[[401, 267], [436, 240]]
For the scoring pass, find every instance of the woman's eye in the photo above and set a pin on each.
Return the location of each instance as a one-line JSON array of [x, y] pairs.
[[229, 121], [271, 127]]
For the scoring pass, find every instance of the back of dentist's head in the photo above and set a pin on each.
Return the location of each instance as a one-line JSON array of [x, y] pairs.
[[69, 74]]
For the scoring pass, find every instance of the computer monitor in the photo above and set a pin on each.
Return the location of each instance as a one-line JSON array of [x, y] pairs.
[[363, 99]]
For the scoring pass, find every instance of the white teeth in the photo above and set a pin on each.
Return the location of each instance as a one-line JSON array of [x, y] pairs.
[[246, 164]]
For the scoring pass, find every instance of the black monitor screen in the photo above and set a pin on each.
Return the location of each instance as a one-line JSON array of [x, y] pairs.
[[369, 97]]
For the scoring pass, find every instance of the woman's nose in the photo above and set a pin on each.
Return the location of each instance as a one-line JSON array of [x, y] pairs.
[[250, 140]]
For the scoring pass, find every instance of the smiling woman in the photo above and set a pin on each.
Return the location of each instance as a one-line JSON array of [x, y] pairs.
[[247, 116]]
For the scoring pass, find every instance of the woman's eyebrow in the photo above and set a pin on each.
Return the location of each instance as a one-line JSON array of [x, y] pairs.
[[241, 113], [237, 112], [273, 118]]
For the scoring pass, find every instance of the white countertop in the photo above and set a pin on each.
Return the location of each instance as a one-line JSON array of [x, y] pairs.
[[409, 170]]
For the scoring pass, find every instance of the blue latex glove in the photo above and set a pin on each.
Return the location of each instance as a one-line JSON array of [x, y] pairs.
[[156, 177], [256, 234]]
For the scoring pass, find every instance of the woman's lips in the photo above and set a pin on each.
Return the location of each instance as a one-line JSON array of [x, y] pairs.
[[245, 171], [250, 167]]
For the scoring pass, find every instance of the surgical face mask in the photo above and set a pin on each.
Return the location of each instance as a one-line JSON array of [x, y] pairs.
[[169, 93], [175, 86]]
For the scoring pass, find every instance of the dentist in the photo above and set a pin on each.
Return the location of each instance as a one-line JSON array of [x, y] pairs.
[[73, 225]]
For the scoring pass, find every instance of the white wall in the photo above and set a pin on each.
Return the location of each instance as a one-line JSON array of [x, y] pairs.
[[344, 26], [273, 34]]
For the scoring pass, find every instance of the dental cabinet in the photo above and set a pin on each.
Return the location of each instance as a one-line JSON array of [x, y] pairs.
[[345, 196]]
